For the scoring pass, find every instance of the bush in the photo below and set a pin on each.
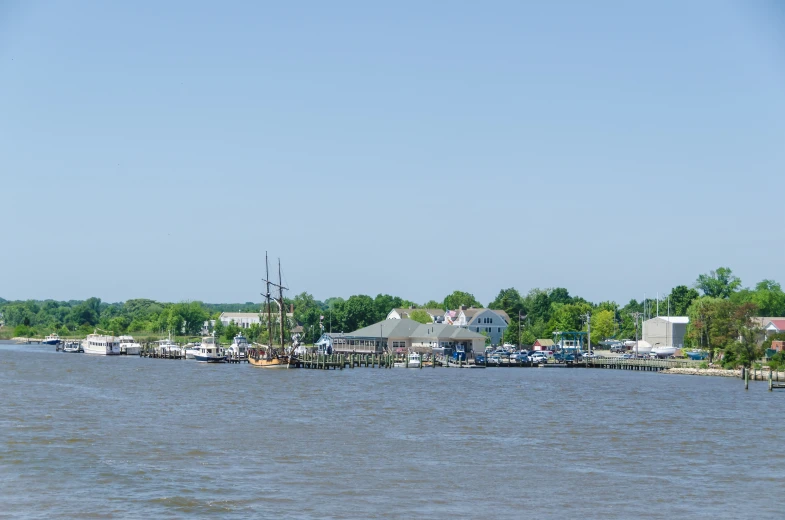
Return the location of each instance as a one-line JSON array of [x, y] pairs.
[[777, 361], [704, 365], [22, 331]]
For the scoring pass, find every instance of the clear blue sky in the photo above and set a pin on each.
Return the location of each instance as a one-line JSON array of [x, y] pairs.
[[157, 149]]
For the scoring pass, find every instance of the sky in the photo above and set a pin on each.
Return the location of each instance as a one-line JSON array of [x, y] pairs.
[[158, 149]]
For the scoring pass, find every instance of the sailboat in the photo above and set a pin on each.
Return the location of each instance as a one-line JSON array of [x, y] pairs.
[[267, 356], [665, 350]]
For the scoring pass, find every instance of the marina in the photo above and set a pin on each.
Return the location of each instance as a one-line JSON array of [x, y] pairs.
[[341, 430]]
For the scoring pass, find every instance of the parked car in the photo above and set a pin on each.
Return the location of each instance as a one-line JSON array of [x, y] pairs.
[[627, 356], [618, 348], [479, 359], [538, 357]]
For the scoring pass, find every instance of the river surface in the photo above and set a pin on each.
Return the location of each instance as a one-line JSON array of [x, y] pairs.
[[125, 437]]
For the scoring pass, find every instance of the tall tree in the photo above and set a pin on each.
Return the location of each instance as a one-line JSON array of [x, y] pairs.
[[420, 316], [509, 301], [458, 298], [603, 324], [718, 284], [769, 298], [360, 311], [681, 298]]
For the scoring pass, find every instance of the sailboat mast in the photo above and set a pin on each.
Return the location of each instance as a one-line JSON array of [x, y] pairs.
[[280, 295], [267, 300]]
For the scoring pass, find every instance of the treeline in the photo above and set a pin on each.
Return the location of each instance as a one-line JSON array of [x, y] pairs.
[[719, 308]]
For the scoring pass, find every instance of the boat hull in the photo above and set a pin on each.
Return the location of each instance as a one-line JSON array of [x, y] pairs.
[[102, 351], [279, 362], [209, 359]]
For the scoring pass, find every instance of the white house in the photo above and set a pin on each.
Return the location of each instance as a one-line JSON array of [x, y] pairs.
[[244, 320], [437, 315], [492, 322], [665, 330]]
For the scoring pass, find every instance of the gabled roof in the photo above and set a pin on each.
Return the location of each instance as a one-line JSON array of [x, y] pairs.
[[405, 312], [443, 331], [472, 312], [547, 342], [406, 328], [778, 324], [402, 328]]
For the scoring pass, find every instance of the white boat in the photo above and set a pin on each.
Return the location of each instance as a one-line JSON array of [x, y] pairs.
[[167, 347], [128, 346], [664, 351], [101, 345], [52, 339], [413, 361], [210, 351], [191, 349], [643, 348], [73, 347], [239, 348]]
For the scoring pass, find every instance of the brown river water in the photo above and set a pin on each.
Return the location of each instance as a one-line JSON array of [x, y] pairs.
[[124, 437]]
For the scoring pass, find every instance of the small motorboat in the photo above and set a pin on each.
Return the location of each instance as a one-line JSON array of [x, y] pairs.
[[52, 339], [74, 347], [239, 348], [191, 350], [210, 352], [413, 360], [128, 346]]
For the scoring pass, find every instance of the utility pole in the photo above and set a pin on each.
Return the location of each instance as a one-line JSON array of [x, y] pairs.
[[519, 328], [635, 316]]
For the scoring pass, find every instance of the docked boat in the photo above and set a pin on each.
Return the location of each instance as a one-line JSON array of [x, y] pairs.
[[268, 356], [73, 347], [239, 348], [52, 339], [128, 346], [168, 348], [413, 360], [101, 345], [210, 351], [191, 350], [697, 355]]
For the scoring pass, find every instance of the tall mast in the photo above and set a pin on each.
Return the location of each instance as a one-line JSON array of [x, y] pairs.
[[267, 299], [280, 296]]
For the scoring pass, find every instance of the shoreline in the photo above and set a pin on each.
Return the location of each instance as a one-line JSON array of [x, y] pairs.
[[717, 372]]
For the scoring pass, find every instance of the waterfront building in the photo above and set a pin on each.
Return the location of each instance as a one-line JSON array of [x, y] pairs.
[[490, 321], [493, 322], [665, 330], [774, 326], [437, 315], [404, 334], [543, 344]]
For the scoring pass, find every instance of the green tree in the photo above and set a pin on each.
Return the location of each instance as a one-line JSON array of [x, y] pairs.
[[420, 316], [769, 298], [603, 325], [190, 316], [359, 311], [718, 284], [568, 316], [433, 304], [458, 298], [681, 298]]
